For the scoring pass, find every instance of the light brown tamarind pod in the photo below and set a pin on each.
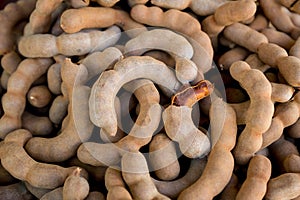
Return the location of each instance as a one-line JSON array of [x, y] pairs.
[[258, 175], [259, 23], [283, 187], [115, 185], [229, 57], [37, 125], [75, 186], [231, 189], [293, 131], [15, 191], [280, 38], [39, 96], [14, 100], [163, 157]]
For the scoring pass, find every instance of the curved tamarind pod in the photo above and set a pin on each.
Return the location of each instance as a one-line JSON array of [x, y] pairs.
[[173, 188], [285, 186], [285, 115], [259, 114], [166, 40], [228, 13], [10, 16], [37, 192], [68, 44], [14, 100], [76, 127], [136, 175], [177, 20], [258, 175], [101, 102], [75, 186], [10, 62], [54, 78], [97, 62], [38, 126], [115, 185], [220, 156], [74, 20], [191, 95], [231, 56], [179, 127], [140, 134], [19, 164], [40, 18]]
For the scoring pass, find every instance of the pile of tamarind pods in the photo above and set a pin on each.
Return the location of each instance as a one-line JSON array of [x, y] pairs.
[[148, 100]]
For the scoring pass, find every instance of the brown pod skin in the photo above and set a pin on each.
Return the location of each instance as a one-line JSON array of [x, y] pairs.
[[229, 57], [258, 174], [39, 96], [15, 191], [163, 157], [38, 126], [231, 189], [294, 130]]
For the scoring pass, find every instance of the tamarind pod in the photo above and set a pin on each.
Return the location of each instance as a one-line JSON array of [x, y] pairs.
[[277, 37], [101, 105], [189, 27], [10, 16], [15, 191], [205, 187], [20, 165], [237, 33], [261, 109], [76, 127], [38, 126], [115, 185], [74, 20], [284, 187], [40, 18], [258, 175], [136, 175], [68, 44], [173, 188], [14, 100], [75, 186]]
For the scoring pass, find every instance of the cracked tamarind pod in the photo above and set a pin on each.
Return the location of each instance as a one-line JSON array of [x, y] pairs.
[[136, 175], [74, 20], [80, 43], [260, 111], [19, 164], [258, 175], [220, 162], [140, 134], [14, 100], [104, 90], [178, 121], [115, 185], [183, 23], [76, 127], [10, 16], [168, 41]]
